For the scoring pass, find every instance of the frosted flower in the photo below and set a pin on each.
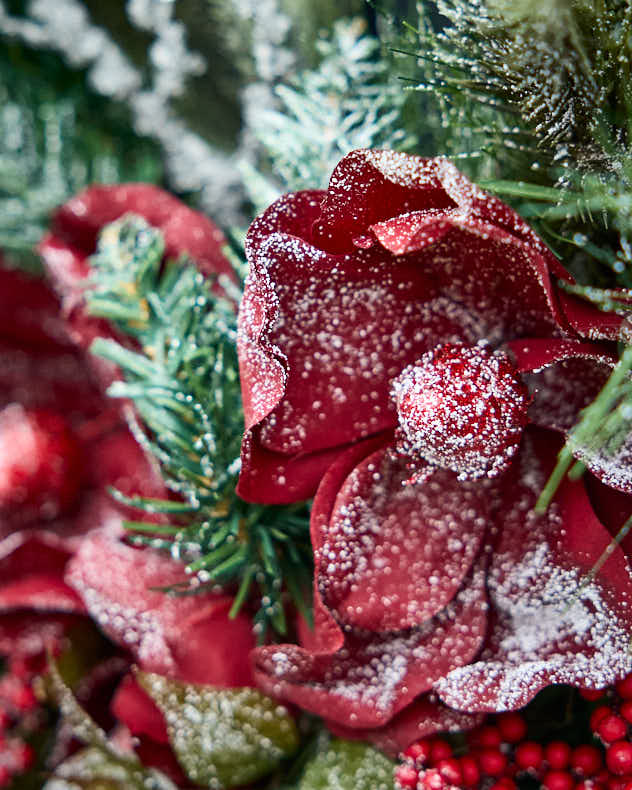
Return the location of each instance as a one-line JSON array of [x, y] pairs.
[[407, 356]]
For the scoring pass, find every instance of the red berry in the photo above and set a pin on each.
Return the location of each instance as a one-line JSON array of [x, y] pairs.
[[418, 752], [469, 770], [619, 757], [440, 749], [529, 756], [598, 715], [512, 726], [5, 776], [432, 780], [450, 770], [586, 760], [492, 762], [39, 463], [557, 754], [558, 780], [624, 687], [625, 709], [504, 783], [406, 776], [461, 408], [620, 783], [612, 728]]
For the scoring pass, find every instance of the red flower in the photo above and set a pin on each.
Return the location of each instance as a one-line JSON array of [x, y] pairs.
[[405, 353], [73, 238]]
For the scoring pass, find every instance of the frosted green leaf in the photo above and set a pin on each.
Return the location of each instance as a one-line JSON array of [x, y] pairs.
[[347, 765], [93, 769], [223, 737]]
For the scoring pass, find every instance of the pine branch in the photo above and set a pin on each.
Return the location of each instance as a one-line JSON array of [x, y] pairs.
[[56, 136], [182, 377], [346, 103], [537, 92]]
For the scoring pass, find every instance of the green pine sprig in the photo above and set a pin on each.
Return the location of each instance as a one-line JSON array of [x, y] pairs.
[[180, 370]]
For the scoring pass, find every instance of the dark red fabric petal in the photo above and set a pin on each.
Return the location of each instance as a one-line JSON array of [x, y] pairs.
[[587, 320], [556, 621], [372, 677], [390, 556], [189, 637], [563, 377], [425, 716]]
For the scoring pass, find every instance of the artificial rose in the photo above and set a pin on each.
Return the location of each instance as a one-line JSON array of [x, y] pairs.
[[406, 353], [73, 239]]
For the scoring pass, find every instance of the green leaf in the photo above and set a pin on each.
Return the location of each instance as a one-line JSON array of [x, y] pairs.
[[223, 737], [348, 765], [93, 769]]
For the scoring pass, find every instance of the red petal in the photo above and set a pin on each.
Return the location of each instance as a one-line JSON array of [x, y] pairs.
[[32, 567], [189, 637], [588, 321], [371, 678], [425, 716], [389, 556], [563, 377], [136, 709], [29, 312], [554, 623]]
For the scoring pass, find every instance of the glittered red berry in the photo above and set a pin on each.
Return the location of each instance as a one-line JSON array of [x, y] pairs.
[[432, 780], [492, 762], [529, 756], [598, 715], [619, 783], [450, 770], [625, 709], [406, 776], [586, 760], [469, 770], [440, 749], [461, 408], [557, 754], [39, 464], [418, 752], [512, 726], [612, 728], [619, 758], [624, 687], [558, 780]]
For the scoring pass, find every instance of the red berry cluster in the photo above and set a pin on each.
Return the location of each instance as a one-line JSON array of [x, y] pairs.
[[18, 716], [611, 722], [498, 754]]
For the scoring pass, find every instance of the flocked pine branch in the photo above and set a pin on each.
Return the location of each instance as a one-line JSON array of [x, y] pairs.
[[536, 94], [182, 376], [349, 101]]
